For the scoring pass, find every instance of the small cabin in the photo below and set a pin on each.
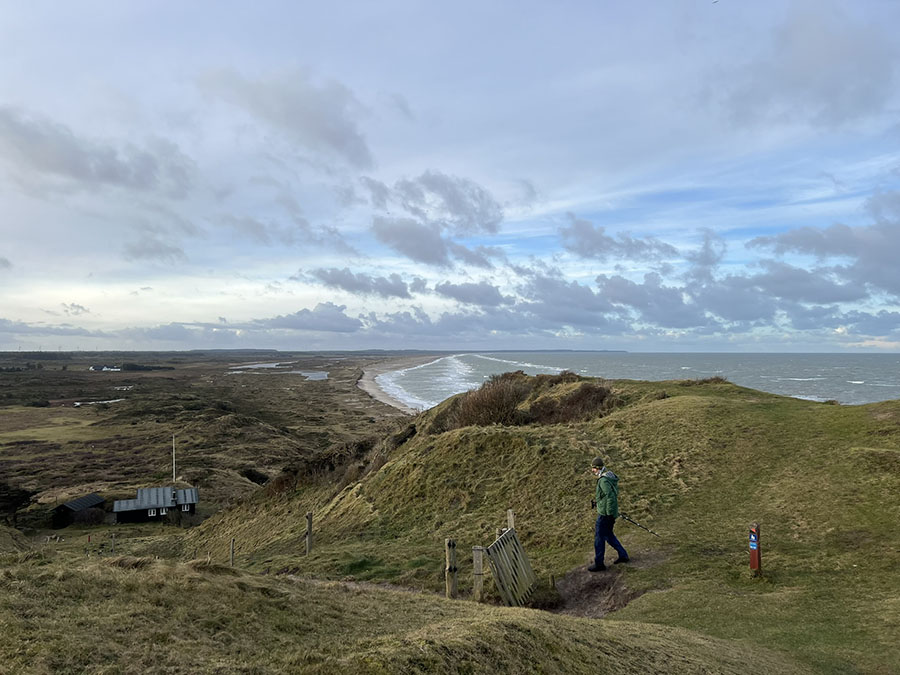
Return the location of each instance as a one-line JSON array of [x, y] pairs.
[[157, 503], [66, 514]]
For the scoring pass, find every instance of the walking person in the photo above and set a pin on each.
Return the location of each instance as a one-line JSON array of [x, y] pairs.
[[606, 498]]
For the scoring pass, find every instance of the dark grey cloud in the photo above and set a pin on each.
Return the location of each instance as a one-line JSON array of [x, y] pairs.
[[734, 298], [324, 317], [391, 286], [554, 300], [418, 285], [152, 248], [814, 286], [422, 243], [884, 323], [706, 259], [657, 304], [5, 264], [870, 251], [823, 67], [322, 117], [586, 240], [482, 293], [379, 193], [455, 205], [33, 143], [480, 256], [461, 204]]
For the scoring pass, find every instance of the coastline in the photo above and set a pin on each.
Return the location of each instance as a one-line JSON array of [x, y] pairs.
[[368, 384]]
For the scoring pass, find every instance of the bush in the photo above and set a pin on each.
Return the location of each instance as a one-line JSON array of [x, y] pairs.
[[716, 379], [496, 402], [590, 398]]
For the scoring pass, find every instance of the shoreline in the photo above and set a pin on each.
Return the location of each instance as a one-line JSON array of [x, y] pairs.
[[368, 384]]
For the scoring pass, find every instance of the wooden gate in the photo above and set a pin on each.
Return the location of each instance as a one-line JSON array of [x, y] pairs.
[[511, 569]]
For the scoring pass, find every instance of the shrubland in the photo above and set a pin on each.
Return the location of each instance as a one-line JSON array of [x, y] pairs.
[[698, 462]]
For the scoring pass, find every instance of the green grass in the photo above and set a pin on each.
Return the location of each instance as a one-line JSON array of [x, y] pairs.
[[699, 461], [697, 465]]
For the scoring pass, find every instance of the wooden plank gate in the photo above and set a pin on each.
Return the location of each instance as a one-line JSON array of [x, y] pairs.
[[511, 569]]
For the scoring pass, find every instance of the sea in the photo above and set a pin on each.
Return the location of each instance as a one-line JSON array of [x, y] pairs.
[[851, 379]]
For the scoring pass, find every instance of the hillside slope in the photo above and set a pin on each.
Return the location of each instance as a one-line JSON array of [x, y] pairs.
[[698, 462], [133, 614]]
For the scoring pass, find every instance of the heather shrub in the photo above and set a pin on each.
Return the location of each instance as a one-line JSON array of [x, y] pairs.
[[496, 402], [588, 399]]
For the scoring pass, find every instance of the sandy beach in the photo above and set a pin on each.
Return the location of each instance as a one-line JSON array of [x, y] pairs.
[[368, 384]]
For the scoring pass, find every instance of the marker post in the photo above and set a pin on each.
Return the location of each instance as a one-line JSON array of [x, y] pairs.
[[755, 551]]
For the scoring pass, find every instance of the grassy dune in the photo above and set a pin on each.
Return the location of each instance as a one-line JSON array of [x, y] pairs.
[[698, 462], [132, 614], [232, 430]]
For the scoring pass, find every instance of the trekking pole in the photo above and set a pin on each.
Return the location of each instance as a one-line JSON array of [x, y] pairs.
[[634, 522]]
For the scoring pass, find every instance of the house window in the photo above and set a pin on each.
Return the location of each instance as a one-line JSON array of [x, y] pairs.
[[151, 512], [185, 507], [163, 511]]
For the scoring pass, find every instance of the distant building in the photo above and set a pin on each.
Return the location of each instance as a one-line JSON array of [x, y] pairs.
[[65, 514], [156, 503], [113, 369]]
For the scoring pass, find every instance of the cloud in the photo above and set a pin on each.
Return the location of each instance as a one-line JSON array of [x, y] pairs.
[[74, 309], [150, 248], [482, 294], [734, 298], [322, 117], [477, 257], [422, 243], [325, 317], [453, 204], [706, 259], [459, 204], [269, 233], [657, 304], [871, 250], [793, 283], [387, 287], [33, 143], [825, 68], [585, 240], [5, 264], [556, 301], [36, 329]]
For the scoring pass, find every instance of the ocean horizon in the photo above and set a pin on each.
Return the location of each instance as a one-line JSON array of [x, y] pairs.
[[850, 379]]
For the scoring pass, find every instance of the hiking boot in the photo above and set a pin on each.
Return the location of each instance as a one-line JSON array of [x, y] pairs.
[[597, 568], [622, 560]]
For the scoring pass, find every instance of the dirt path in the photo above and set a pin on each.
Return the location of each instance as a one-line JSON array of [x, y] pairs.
[[595, 594]]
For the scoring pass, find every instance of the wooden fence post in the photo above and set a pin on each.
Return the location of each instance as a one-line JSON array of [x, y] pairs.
[[113, 543], [478, 573], [510, 519], [450, 576], [308, 532], [232, 551]]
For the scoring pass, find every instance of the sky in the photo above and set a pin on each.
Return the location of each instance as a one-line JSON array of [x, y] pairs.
[[694, 176]]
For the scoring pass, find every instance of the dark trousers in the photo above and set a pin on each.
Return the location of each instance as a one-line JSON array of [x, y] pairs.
[[603, 534]]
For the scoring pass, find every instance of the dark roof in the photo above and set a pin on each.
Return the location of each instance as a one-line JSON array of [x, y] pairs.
[[85, 502], [157, 498]]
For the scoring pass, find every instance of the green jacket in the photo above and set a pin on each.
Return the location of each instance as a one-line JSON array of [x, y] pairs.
[[607, 494]]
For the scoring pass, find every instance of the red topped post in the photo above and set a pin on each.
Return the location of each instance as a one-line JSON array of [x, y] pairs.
[[755, 550]]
